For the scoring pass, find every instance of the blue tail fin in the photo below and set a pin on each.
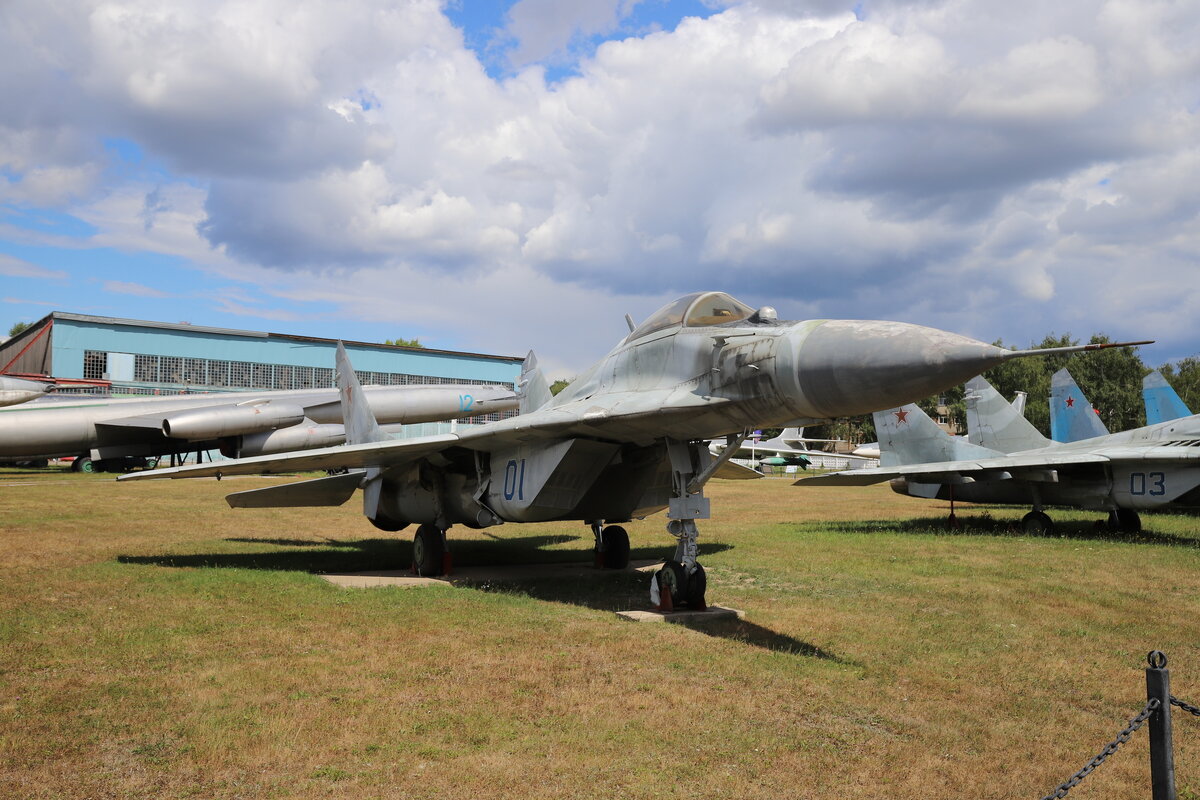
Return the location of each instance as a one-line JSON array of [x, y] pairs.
[[993, 423], [908, 436], [1072, 417], [1163, 404]]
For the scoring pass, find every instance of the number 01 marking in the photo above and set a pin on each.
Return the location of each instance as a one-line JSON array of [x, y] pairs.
[[1154, 483], [514, 479]]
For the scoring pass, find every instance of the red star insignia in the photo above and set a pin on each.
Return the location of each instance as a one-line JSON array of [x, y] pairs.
[[1070, 402], [901, 415]]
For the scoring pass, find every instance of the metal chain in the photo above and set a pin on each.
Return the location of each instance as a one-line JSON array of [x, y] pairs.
[[1123, 737], [1188, 707]]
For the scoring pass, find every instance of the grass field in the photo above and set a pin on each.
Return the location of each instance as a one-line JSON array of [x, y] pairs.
[[155, 643]]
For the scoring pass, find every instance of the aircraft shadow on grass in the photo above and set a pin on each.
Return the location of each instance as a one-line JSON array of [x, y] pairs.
[[986, 525], [602, 590]]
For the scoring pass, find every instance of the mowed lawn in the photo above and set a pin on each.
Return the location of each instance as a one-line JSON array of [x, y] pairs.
[[155, 643]]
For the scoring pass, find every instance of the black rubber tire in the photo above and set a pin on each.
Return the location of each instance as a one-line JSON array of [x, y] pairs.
[[697, 585], [616, 547], [673, 578], [1036, 523], [84, 464], [1127, 520], [428, 550]]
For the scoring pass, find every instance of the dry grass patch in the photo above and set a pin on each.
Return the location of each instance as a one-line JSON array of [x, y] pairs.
[[154, 642]]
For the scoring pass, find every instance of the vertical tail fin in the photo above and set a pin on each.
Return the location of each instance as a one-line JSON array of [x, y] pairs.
[[1072, 417], [1163, 404], [908, 436], [357, 416], [993, 423], [532, 389]]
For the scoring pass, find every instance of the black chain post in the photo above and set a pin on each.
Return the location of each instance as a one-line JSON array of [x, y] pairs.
[[1162, 755]]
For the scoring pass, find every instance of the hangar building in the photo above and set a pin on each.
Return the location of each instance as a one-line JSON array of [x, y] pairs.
[[127, 357]]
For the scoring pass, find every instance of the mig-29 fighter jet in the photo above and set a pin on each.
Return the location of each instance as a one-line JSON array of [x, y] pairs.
[[628, 437], [1008, 461]]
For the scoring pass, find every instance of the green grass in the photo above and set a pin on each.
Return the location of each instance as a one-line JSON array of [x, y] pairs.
[[154, 642]]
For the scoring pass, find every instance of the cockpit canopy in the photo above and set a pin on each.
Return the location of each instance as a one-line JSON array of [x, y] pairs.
[[694, 310]]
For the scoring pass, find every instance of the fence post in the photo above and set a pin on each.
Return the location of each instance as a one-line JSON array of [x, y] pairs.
[[1162, 755]]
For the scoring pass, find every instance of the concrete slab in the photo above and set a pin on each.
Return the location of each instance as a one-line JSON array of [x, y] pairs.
[[473, 575], [713, 614]]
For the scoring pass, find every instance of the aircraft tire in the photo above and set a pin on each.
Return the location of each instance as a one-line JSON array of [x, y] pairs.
[[616, 547], [1037, 523], [1125, 520], [428, 550], [697, 585], [673, 578], [84, 464]]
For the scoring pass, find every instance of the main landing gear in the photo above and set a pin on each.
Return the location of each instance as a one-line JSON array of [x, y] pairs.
[[430, 555], [1121, 520], [612, 545]]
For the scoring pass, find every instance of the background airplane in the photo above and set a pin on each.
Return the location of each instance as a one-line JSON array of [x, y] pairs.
[[627, 438], [1157, 466], [103, 433], [14, 391], [792, 448], [1163, 404], [1072, 417]]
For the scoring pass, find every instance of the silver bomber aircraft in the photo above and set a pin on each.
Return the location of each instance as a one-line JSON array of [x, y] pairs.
[[628, 437], [17, 390], [101, 431], [1009, 461]]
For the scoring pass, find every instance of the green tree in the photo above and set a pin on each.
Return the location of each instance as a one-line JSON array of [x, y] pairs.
[[559, 385], [18, 327], [404, 343], [1111, 380]]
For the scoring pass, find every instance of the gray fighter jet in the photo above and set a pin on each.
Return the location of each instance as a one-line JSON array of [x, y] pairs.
[[627, 438], [1157, 466], [103, 433], [17, 390]]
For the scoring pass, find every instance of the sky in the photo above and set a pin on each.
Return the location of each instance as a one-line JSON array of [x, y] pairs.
[[504, 176]]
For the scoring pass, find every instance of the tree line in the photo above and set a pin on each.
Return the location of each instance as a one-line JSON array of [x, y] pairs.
[[1110, 379]]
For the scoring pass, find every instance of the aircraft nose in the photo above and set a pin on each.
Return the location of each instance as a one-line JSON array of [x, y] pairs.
[[851, 367]]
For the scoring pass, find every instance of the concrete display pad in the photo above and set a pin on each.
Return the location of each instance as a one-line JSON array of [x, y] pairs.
[[467, 576], [713, 614]]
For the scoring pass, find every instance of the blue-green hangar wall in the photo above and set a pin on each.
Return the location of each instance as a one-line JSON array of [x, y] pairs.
[[140, 357]]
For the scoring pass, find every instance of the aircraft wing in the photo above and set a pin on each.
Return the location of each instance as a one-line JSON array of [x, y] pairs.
[[615, 421], [1041, 466]]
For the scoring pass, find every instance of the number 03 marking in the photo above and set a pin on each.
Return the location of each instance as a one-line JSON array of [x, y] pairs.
[[1154, 483]]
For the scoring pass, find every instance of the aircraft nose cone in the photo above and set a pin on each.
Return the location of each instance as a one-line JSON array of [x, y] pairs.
[[850, 367]]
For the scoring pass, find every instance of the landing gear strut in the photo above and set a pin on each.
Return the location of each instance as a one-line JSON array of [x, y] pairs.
[[682, 581]]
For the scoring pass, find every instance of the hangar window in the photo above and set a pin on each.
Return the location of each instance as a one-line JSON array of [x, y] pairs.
[[145, 368], [95, 364]]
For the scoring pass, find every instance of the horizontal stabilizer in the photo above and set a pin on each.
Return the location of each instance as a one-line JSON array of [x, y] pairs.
[[333, 490]]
